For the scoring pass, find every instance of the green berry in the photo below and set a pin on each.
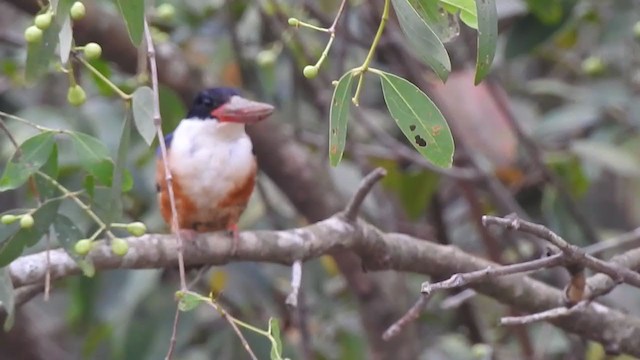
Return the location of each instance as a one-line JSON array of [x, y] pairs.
[[293, 22], [636, 30], [136, 228], [82, 247], [119, 247], [92, 51], [593, 65], [165, 12], [26, 221], [77, 10], [33, 35], [76, 95], [43, 21], [310, 71], [8, 219]]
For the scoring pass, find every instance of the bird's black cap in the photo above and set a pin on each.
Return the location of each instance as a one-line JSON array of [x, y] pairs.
[[208, 100]]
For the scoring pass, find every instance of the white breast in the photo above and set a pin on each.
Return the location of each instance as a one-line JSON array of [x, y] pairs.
[[211, 158]]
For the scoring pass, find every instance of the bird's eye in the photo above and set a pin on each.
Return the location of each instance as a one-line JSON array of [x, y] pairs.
[[206, 101]]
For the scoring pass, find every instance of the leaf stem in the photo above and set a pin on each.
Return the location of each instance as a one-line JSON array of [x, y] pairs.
[[367, 61], [34, 125], [114, 87]]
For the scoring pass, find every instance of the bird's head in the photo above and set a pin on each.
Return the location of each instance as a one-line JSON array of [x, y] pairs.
[[225, 105]]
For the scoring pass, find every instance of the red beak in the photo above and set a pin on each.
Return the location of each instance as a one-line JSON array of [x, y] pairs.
[[241, 110]]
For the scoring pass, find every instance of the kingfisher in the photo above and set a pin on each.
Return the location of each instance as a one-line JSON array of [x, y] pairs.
[[211, 161]]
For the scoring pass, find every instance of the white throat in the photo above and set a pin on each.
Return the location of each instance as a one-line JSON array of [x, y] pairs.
[[212, 156]]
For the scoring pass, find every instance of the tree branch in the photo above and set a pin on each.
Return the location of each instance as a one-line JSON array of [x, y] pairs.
[[379, 251]]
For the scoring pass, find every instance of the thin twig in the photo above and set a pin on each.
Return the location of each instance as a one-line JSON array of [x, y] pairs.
[[4, 128], [627, 240], [174, 331], [157, 119], [543, 315], [407, 318], [351, 211], [296, 279], [572, 252], [459, 280]]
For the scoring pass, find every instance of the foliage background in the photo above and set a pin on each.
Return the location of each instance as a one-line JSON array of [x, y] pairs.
[[584, 123]]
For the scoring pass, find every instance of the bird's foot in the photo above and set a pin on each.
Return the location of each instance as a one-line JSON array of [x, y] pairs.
[[232, 231]]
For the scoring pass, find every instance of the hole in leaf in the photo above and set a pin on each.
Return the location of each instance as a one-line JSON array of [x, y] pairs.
[[420, 141], [412, 127]]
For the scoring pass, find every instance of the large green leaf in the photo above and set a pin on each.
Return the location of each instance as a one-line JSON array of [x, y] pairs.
[[115, 203], [418, 118], [487, 37], [7, 297], [143, 113], [133, 13], [338, 118], [40, 54], [34, 153], [94, 157], [422, 38]]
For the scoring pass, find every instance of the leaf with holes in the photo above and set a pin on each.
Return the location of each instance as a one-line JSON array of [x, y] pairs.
[[338, 118], [422, 38], [133, 13], [33, 154], [487, 37], [418, 118], [143, 113]]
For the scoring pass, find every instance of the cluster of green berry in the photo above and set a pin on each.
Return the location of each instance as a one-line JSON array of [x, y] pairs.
[[33, 35], [118, 246], [26, 220]]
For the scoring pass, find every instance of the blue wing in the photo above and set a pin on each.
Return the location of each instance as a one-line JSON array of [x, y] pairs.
[[167, 140]]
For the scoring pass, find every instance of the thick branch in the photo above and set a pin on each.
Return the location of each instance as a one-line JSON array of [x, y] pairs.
[[378, 250]]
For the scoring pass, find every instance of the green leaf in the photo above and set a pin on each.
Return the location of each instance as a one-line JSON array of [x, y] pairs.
[[103, 68], [172, 108], [143, 113], [188, 301], [66, 39], [34, 153], [338, 117], [45, 188], [133, 13], [418, 118], [40, 54], [487, 37], [7, 297], [43, 217], [115, 204], [443, 23], [276, 341], [67, 234], [468, 11], [422, 38], [94, 157]]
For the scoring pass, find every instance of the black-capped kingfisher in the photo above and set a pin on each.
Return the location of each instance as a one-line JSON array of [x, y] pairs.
[[211, 162]]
